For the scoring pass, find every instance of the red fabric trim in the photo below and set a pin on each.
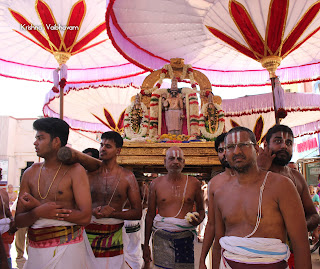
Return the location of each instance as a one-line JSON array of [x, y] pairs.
[[77, 14], [49, 68], [40, 45], [110, 16], [155, 95], [110, 13], [37, 35], [109, 118], [106, 79], [89, 47], [300, 28], [46, 16], [276, 23], [225, 38], [120, 121], [267, 110], [304, 40], [103, 122], [89, 37], [257, 130], [247, 27]]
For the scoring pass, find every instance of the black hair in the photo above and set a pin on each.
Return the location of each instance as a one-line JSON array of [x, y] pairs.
[[114, 136], [94, 152], [219, 140], [278, 128], [243, 129], [54, 127]]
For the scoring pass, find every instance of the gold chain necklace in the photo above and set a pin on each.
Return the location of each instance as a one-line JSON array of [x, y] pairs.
[[50, 184]]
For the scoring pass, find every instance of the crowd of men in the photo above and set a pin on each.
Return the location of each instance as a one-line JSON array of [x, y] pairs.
[[259, 209]]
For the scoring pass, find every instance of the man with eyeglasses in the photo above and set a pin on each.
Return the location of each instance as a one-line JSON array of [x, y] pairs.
[[214, 184], [275, 157], [255, 211]]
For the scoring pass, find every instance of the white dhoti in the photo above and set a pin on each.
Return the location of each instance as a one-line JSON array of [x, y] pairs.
[[114, 261], [132, 244], [142, 224], [72, 255], [252, 251]]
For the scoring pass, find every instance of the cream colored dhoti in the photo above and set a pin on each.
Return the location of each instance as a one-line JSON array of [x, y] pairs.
[[73, 255]]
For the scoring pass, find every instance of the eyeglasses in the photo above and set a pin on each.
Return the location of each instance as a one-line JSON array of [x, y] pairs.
[[241, 146]]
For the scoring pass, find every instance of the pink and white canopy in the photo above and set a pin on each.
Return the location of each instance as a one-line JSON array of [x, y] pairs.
[[32, 31], [225, 39]]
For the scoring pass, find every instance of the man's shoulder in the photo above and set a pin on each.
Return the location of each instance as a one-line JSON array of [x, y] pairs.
[[35, 167], [279, 181], [218, 180], [158, 180], [297, 175], [76, 167]]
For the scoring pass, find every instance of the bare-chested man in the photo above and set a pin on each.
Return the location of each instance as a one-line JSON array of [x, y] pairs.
[[111, 185], [254, 212], [215, 183], [55, 202], [275, 157], [174, 196]]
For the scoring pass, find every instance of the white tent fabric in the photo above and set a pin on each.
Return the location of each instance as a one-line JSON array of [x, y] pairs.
[[152, 32], [22, 58]]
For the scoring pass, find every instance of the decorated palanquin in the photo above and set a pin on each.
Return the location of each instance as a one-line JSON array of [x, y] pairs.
[[160, 117], [201, 117]]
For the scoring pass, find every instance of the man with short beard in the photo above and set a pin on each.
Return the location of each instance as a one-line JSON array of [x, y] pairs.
[[275, 157], [215, 183], [255, 211]]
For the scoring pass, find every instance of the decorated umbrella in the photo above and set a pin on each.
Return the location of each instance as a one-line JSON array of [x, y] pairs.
[[39, 37], [230, 41]]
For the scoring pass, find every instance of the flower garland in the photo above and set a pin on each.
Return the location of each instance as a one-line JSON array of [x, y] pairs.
[[129, 132], [202, 122], [167, 68], [193, 109]]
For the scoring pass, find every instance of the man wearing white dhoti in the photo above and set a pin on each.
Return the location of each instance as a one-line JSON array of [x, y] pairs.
[[174, 196], [53, 243], [251, 228], [55, 202]]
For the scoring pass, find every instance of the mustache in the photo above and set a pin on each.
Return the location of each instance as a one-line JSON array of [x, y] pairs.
[[282, 151], [237, 156]]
